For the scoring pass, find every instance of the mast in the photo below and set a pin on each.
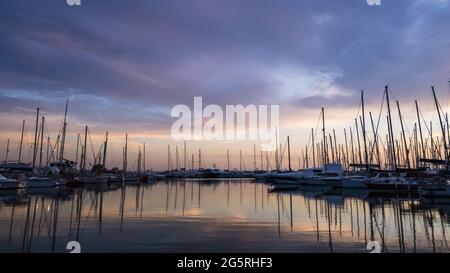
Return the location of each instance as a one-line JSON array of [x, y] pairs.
[[391, 130], [366, 157], [359, 143], [276, 150], [7, 151], [442, 124], [168, 158], [228, 159], [199, 159], [84, 149], [261, 159], [63, 138], [105, 147], [353, 146], [139, 161], [432, 150], [404, 137], [177, 162], [42, 141], [416, 147], [76, 154], [336, 147], [420, 130], [46, 155], [325, 155], [21, 141], [143, 163], [289, 154], [240, 160], [254, 157], [126, 152], [375, 139], [313, 150], [332, 149], [185, 155], [35, 138], [346, 147], [306, 156]]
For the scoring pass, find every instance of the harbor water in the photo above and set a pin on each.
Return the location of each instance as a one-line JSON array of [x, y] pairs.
[[235, 216]]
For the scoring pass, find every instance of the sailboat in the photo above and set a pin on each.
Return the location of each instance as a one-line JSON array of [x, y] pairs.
[[8, 184]]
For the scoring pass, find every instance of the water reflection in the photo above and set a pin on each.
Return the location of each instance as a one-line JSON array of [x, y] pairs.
[[219, 216]]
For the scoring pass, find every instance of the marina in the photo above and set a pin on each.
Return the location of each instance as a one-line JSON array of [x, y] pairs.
[[224, 215], [225, 127], [340, 201]]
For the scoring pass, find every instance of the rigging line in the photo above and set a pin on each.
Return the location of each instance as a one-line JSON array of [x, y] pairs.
[[378, 125], [429, 132], [92, 146], [448, 93], [315, 133]]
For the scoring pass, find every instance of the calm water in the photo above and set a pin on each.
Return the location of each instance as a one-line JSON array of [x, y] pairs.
[[218, 216]]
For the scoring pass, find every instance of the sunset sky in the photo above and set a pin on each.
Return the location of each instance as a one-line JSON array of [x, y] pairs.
[[125, 64]]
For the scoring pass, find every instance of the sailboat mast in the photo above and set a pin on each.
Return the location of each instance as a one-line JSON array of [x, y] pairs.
[[442, 124], [76, 153], [325, 155], [145, 168], [42, 141], [346, 148], [84, 149], [254, 157], [332, 149], [336, 147], [313, 148], [185, 155], [261, 159], [7, 152], [21, 141], [359, 142], [63, 138], [404, 136], [391, 130], [240, 160], [277, 165], [199, 159], [420, 130], [228, 160], [35, 138], [126, 154], [289, 154], [363, 125], [375, 139], [176, 158], [105, 147]]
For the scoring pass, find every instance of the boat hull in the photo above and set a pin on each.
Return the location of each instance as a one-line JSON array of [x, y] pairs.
[[393, 186]]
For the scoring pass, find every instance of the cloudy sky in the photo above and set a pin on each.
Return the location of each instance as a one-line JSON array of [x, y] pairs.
[[125, 64]]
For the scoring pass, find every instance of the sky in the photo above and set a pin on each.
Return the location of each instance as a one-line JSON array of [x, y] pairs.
[[124, 65]]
